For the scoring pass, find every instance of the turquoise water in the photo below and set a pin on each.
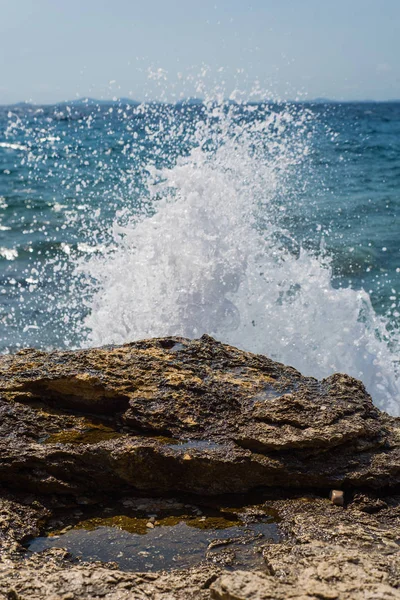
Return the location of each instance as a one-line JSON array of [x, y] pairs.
[[273, 227]]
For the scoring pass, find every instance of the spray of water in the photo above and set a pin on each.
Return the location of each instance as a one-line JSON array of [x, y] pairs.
[[209, 254]]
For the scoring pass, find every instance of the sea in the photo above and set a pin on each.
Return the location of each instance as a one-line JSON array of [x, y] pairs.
[[272, 226]]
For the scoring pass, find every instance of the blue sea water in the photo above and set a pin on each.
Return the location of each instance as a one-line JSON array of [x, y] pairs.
[[274, 227]]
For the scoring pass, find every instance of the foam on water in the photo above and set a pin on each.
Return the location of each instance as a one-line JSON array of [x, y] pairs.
[[212, 257]]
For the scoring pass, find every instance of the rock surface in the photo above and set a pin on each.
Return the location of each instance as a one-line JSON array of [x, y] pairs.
[[199, 417], [327, 552], [188, 416]]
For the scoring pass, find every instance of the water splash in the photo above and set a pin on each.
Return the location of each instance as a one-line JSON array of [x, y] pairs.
[[209, 254]]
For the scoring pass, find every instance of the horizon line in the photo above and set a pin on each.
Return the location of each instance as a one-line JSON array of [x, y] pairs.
[[197, 100]]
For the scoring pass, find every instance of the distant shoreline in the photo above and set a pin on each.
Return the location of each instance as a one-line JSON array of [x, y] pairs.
[[188, 101]]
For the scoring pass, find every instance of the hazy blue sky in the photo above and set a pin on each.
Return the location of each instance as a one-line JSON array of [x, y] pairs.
[[60, 49]]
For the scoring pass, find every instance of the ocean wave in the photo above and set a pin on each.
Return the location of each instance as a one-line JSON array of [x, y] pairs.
[[210, 260], [8, 253], [13, 146]]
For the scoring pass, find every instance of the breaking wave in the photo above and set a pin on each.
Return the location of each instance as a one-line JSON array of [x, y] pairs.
[[212, 251]]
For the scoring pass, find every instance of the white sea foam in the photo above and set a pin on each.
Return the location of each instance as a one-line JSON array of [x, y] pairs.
[[209, 260], [8, 253], [13, 146]]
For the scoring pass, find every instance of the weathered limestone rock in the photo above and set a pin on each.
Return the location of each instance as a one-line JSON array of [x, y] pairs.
[[198, 417], [332, 553], [188, 416], [327, 552]]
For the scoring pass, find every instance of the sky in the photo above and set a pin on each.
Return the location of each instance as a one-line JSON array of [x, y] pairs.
[[54, 50]]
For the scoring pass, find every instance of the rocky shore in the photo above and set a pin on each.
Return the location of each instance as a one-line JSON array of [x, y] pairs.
[[230, 456]]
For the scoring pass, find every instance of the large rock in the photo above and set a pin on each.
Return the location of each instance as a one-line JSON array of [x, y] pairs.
[[185, 416], [95, 429]]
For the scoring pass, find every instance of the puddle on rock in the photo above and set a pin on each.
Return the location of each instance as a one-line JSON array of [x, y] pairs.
[[177, 444], [177, 347], [197, 445], [270, 392], [136, 544]]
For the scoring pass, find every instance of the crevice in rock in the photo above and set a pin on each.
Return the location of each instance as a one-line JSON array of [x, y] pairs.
[[78, 393]]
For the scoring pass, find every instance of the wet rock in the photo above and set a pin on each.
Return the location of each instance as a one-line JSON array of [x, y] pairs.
[[208, 419], [325, 553], [368, 503], [116, 428], [329, 554]]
